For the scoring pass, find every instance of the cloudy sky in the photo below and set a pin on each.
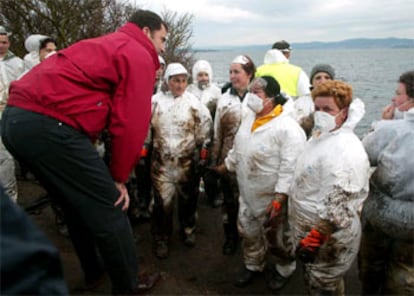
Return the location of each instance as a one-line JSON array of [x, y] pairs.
[[245, 22]]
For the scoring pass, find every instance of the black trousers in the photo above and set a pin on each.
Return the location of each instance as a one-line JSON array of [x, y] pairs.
[[230, 207], [144, 182], [69, 167]]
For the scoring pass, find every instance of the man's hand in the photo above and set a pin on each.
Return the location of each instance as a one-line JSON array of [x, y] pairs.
[[388, 112], [124, 197]]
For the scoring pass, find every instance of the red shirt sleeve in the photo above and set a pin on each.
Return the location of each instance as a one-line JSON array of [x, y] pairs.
[[131, 111]]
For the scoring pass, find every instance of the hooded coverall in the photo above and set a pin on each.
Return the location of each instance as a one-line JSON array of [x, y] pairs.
[[330, 185], [264, 167], [209, 96], [179, 128], [230, 110], [386, 258], [11, 67]]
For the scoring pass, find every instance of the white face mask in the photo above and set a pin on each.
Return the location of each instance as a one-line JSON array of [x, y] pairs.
[[255, 103], [324, 123]]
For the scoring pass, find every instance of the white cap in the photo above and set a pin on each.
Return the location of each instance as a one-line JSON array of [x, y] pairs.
[[161, 60], [202, 66], [3, 31], [32, 43], [241, 59], [174, 69]]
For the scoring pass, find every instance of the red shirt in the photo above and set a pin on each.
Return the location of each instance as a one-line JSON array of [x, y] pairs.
[[97, 83]]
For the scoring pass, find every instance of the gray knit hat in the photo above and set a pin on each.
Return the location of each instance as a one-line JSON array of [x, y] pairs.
[[322, 68]]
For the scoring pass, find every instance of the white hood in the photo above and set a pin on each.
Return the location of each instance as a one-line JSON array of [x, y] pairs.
[[355, 113], [202, 66], [32, 43], [275, 56]]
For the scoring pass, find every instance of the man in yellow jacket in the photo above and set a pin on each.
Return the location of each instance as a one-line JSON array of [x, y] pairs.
[[292, 79]]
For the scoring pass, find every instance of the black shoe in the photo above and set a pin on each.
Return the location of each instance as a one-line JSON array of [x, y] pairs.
[[189, 240], [274, 280], [230, 246], [147, 281], [161, 249], [92, 283], [217, 202], [245, 278]]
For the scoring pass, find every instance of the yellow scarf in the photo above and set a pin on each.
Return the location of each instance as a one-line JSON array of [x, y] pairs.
[[266, 118]]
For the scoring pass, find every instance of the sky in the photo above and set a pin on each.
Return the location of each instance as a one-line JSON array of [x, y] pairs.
[[255, 22]]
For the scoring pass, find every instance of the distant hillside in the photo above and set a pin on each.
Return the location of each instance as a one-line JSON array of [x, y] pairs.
[[359, 43], [348, 43]]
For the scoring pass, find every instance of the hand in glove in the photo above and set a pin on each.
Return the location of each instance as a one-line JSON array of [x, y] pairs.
[[273, 211], [309, 246], [143, 154], [203, 159], [144, 151]]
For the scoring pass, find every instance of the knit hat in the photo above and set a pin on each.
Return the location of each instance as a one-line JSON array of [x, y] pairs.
[[174, 69], [282, 45], [322, 68]]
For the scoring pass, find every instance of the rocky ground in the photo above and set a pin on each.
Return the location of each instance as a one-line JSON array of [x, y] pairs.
[[202, 270]]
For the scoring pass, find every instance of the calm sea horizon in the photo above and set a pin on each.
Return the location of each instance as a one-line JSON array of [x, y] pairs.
[[372, 73]]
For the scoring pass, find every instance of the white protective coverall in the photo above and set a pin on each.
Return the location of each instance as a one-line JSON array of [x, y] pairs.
[[264, 162], [229, 113], [387, 247], [330, 185], [209, 94], [11, 67], [179, 128], [230, 110]]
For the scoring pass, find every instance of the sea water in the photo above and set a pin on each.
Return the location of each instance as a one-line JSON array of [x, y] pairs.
[[372, 73]]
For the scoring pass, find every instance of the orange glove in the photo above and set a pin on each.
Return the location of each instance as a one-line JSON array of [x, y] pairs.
[[144, 151], [272, 211], [204, 154], [309, 246], [314, 239]]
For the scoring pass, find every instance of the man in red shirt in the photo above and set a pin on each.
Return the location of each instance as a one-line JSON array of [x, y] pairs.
[[60, 108]]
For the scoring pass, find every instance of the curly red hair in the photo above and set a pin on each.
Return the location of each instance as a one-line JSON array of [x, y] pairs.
[[339, 90]]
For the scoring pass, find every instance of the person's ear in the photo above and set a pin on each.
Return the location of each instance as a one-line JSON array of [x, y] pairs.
[[147, 31]]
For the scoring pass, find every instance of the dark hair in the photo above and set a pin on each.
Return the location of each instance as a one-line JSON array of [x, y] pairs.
[[407, 79], [43, 42], [145, 18], [271, 88], [282, 45], [249, 67]]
